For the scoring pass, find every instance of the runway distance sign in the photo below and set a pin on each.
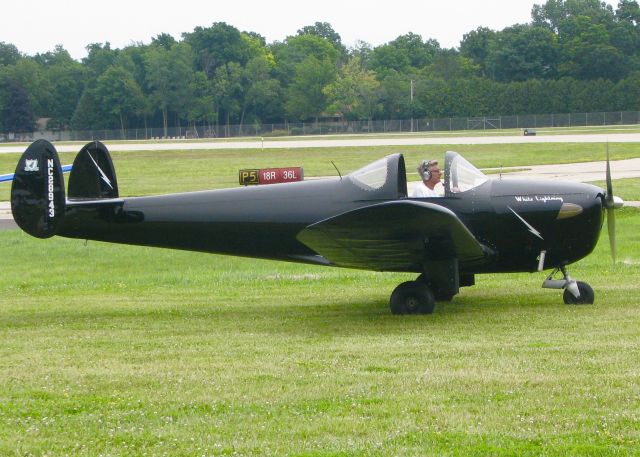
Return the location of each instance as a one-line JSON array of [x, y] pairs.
[[270, 175]]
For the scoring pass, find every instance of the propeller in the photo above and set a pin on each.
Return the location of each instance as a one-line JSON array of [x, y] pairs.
[[611, 202]]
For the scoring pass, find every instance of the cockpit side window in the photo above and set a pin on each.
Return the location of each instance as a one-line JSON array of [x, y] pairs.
[[372, 176]]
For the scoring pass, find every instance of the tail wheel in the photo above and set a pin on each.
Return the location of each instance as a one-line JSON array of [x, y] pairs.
[[586, 295], [412, 297]]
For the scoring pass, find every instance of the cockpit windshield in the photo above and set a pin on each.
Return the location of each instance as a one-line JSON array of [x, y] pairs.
[[462, 175], [372, 176]]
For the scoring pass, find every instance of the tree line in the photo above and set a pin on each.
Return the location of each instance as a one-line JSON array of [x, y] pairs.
[[573, 56]]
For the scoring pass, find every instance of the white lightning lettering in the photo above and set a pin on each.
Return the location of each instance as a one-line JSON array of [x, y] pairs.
[[103, 176], [531, 229]]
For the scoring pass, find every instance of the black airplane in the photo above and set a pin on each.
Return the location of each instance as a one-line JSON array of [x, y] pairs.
[[363, 220]]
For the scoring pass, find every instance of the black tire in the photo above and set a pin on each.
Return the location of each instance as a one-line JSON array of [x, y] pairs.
[[586, 295], [412, 297]]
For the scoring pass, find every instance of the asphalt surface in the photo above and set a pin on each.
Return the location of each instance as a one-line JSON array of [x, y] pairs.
[[337, 142], [7, 224]]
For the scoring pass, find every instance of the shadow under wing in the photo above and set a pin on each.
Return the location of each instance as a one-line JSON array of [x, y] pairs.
[[393, 236]]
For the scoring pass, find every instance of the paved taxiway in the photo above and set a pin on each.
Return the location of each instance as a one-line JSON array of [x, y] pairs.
[[338, 142]]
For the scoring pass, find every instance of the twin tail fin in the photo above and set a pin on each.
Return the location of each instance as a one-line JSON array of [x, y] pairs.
[[38, 200], [37, 191]]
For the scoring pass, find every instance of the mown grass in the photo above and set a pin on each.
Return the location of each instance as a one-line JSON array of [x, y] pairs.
[[157, 172], [117, 350], [627, 189]]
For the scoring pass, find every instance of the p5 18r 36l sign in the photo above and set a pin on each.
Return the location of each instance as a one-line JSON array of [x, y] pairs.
[[270, 175]]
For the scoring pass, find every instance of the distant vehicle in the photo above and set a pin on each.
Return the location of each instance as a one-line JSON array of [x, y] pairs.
[[363, 220]]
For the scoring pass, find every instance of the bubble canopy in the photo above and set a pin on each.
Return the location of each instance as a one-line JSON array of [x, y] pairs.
[[460, 175]]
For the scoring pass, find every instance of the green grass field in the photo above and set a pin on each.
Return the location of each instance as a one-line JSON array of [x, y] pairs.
[[627, 189], [120, 350], [117, 350]]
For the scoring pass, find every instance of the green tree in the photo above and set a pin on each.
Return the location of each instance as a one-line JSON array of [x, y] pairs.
[[476, 46], [305, 97], [363, 51], [66, 78], [119, 94], [28, 74], [396, 95], [355, 94], [405, 54], [17, 114], [9, 54], [294, 50], [163, 40], [86, 116], [587, 52], [325, 30], [449, 64], [169, 75], [228, 91], [203, 108], [522, 52], [263, 93], [216, 46], [628, 11], [626, 95], [99, 58], [554, 13], [387, 59], [433, 98]]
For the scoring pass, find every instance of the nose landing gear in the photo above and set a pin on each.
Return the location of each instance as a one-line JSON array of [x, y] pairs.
[[575, 292]]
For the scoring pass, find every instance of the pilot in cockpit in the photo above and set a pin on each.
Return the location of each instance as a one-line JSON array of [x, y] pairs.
[[430, 174]]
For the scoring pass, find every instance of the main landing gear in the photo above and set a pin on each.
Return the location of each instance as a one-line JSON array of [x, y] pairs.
[[440, 281], [412, 297], [420, 296], [575, 292]]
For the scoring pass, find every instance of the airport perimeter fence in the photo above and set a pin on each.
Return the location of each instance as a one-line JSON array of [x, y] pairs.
[[343, 127]]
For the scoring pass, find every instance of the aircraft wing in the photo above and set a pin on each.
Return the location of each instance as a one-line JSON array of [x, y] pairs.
[[393, 236], [9, 176]]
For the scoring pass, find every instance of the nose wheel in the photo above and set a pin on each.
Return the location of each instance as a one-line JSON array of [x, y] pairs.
[[575, 292], [585, 298]]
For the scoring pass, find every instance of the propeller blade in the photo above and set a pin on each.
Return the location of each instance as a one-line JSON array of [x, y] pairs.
[[609, 196], [611, 226]]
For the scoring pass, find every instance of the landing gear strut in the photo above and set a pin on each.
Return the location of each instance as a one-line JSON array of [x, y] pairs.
[[575, 292]]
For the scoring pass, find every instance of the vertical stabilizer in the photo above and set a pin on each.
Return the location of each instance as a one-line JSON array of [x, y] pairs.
[[93, 175], [37, 191]]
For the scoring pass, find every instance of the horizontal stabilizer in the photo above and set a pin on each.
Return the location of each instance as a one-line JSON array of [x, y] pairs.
[[93, 175], [37, 191], [9, 176], [393, 236]]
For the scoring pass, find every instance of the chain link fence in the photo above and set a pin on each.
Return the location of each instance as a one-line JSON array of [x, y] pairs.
[[342, 127]]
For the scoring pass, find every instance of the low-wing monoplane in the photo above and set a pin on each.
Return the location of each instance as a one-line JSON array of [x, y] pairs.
[[363, 220]]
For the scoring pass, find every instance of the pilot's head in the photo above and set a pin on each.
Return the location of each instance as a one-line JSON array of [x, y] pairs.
[[429, 169]]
